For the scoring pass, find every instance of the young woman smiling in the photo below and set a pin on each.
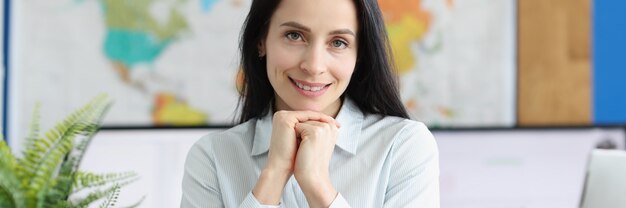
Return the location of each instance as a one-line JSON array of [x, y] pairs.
[[322, 124]]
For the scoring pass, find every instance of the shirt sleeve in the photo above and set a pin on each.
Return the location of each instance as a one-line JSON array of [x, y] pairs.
[[414, 180], [339, 202], [200, 186], [251, 201]]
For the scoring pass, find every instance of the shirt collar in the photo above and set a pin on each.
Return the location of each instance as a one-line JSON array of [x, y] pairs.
[[350, 117]]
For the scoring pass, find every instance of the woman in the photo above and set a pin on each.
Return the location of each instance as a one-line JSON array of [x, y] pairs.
[[318, 75]]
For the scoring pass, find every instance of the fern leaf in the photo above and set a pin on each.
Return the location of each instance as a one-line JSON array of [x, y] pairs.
[[31, 138], [7, 161], [92, 121], [6, 198], [40, 197], [94, 196], [44, 157], [69, 167], [90, 180], [63, 204], [48, 167], [34, 126], [40, 148], [11, 192], [98, 193], [112, 198], [47, 173], [44, 168]]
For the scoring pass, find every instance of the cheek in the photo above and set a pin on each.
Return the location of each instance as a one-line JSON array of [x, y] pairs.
[[346, 68], [280, 59]]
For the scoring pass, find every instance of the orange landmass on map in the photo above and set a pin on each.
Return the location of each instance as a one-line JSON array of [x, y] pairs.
[[407, 22], [169, 110]]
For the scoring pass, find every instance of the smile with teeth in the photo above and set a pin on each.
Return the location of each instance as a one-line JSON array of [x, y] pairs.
[[308, 88]]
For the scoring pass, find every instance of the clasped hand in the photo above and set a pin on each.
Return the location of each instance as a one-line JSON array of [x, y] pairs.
[[302, 144]]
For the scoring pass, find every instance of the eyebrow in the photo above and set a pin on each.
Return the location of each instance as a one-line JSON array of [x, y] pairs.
[[306, 29]]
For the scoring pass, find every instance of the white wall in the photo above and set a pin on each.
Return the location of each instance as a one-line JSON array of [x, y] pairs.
[[509, 168], [157, 156]]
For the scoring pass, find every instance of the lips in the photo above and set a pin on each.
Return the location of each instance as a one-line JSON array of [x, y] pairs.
[[309, 89], [308, 86]]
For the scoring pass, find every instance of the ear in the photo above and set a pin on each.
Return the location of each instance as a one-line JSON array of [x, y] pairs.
[[261, 48]]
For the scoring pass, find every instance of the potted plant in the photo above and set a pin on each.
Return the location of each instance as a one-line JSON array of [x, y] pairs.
[[47, 175]]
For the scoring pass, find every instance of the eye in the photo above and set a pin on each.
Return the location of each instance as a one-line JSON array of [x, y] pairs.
[[293, 36], [339, 44]]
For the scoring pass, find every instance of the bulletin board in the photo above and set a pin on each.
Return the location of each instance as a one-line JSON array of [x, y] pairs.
[[555, 73]]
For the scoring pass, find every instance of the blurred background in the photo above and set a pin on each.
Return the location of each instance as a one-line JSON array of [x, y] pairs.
[[516, 92]]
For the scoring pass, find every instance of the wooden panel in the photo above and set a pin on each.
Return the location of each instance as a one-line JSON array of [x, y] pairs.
[[554, 69]]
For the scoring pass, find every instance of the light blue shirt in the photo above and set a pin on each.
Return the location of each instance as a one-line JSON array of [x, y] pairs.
[[378, 161]]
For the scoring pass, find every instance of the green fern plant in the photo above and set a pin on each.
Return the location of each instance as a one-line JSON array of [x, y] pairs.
[[47, 174]]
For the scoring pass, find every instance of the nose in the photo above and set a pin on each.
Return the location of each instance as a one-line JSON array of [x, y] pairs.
[[313, 60]]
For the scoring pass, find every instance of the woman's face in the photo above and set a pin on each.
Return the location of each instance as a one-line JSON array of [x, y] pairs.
[[311, 50]]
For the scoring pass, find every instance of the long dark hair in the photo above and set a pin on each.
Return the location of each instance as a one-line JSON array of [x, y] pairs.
[[373, 86]]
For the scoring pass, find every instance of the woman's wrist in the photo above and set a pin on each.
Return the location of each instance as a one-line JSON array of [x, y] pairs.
[[318, 189], [270, 185], [280, 168]]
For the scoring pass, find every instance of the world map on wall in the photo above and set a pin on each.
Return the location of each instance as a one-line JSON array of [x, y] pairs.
[[455, 59], [175, 62], [165, 62], [141, 39]]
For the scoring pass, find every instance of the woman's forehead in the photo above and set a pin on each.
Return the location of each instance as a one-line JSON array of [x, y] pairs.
[[317, 14]]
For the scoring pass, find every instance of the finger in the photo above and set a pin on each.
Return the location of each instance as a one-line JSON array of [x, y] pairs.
[[317, 116], [302, 126], [299, 127], [303, 116], [317, 123]]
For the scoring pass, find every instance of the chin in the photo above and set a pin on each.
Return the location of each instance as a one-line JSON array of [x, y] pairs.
[[308, 106]]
